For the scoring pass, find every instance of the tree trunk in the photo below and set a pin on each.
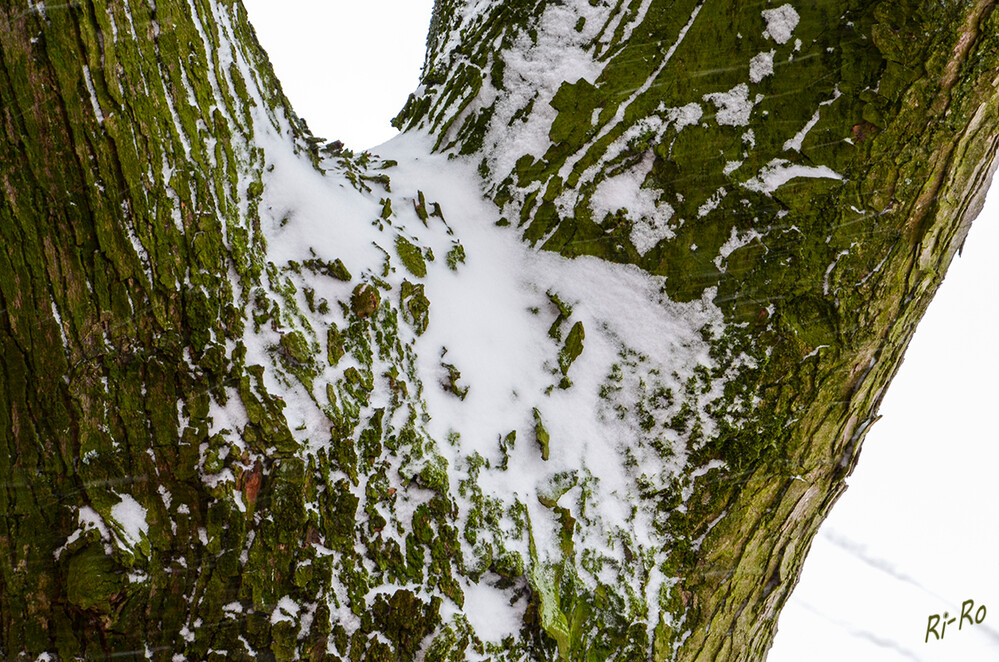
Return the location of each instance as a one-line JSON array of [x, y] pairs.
[[230, 429]]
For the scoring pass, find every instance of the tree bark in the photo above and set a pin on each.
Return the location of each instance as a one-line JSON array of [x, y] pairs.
[[166, 490]]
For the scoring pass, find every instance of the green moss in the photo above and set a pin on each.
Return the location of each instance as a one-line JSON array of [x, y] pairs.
[[506, 444], [284, 642], [570, 351], [575, 103], [420, 206], [405, 620], [334, 269], [564, 313], [386, 208], [264, 411], [339, 519], [415, 306], [433, 474], [334, 345], [509, 565], [411, 256], [93, 579], [452, 385], [364, 300], [541, 435], [296, 348], [288, 499], [455, 256], [546, 602]]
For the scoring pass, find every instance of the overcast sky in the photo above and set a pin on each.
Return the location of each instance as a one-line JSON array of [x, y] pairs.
[[346, 66], [916, 533]]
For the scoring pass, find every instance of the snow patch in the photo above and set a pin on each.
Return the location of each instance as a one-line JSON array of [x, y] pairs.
[[735, 241], [685, 116], [93, 95], [286, 610], [91, 519], [640, 205], [711, 202], [535, 69], [761, 66], [648, 231], [795, 142], [131, 516], [780, 23], [489, 611], [734, 106], [779, 171]]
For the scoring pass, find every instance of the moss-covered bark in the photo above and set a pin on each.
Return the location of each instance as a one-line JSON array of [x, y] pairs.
[[128, 170], [891, 106], [135, 280]]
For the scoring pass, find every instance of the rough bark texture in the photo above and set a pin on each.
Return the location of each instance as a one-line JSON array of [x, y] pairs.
[[134, 273], [832, 276], [128, 201]]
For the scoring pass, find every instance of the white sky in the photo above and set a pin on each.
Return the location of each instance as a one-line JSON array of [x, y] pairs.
[[916, 534], [347, 66]]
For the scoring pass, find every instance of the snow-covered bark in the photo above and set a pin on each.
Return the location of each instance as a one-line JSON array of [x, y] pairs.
[[570, 370]]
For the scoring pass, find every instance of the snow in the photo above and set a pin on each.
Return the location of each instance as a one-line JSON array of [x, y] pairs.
[[131, 517], [59, 323], [492, 316], [237, 498], [286, 610], [795, 142], [780, 23], [93, 95], [535, 69], [734, 106], [487, 610], [735, 240], [165, 495], [685, 116], [91, 519], [505, 355], [648, 231], [761, 66], [625, 192], [779, 171], [712, 203], [492, 616]]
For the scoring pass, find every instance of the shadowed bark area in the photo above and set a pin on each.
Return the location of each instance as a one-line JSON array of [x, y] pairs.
[[812, 177]]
